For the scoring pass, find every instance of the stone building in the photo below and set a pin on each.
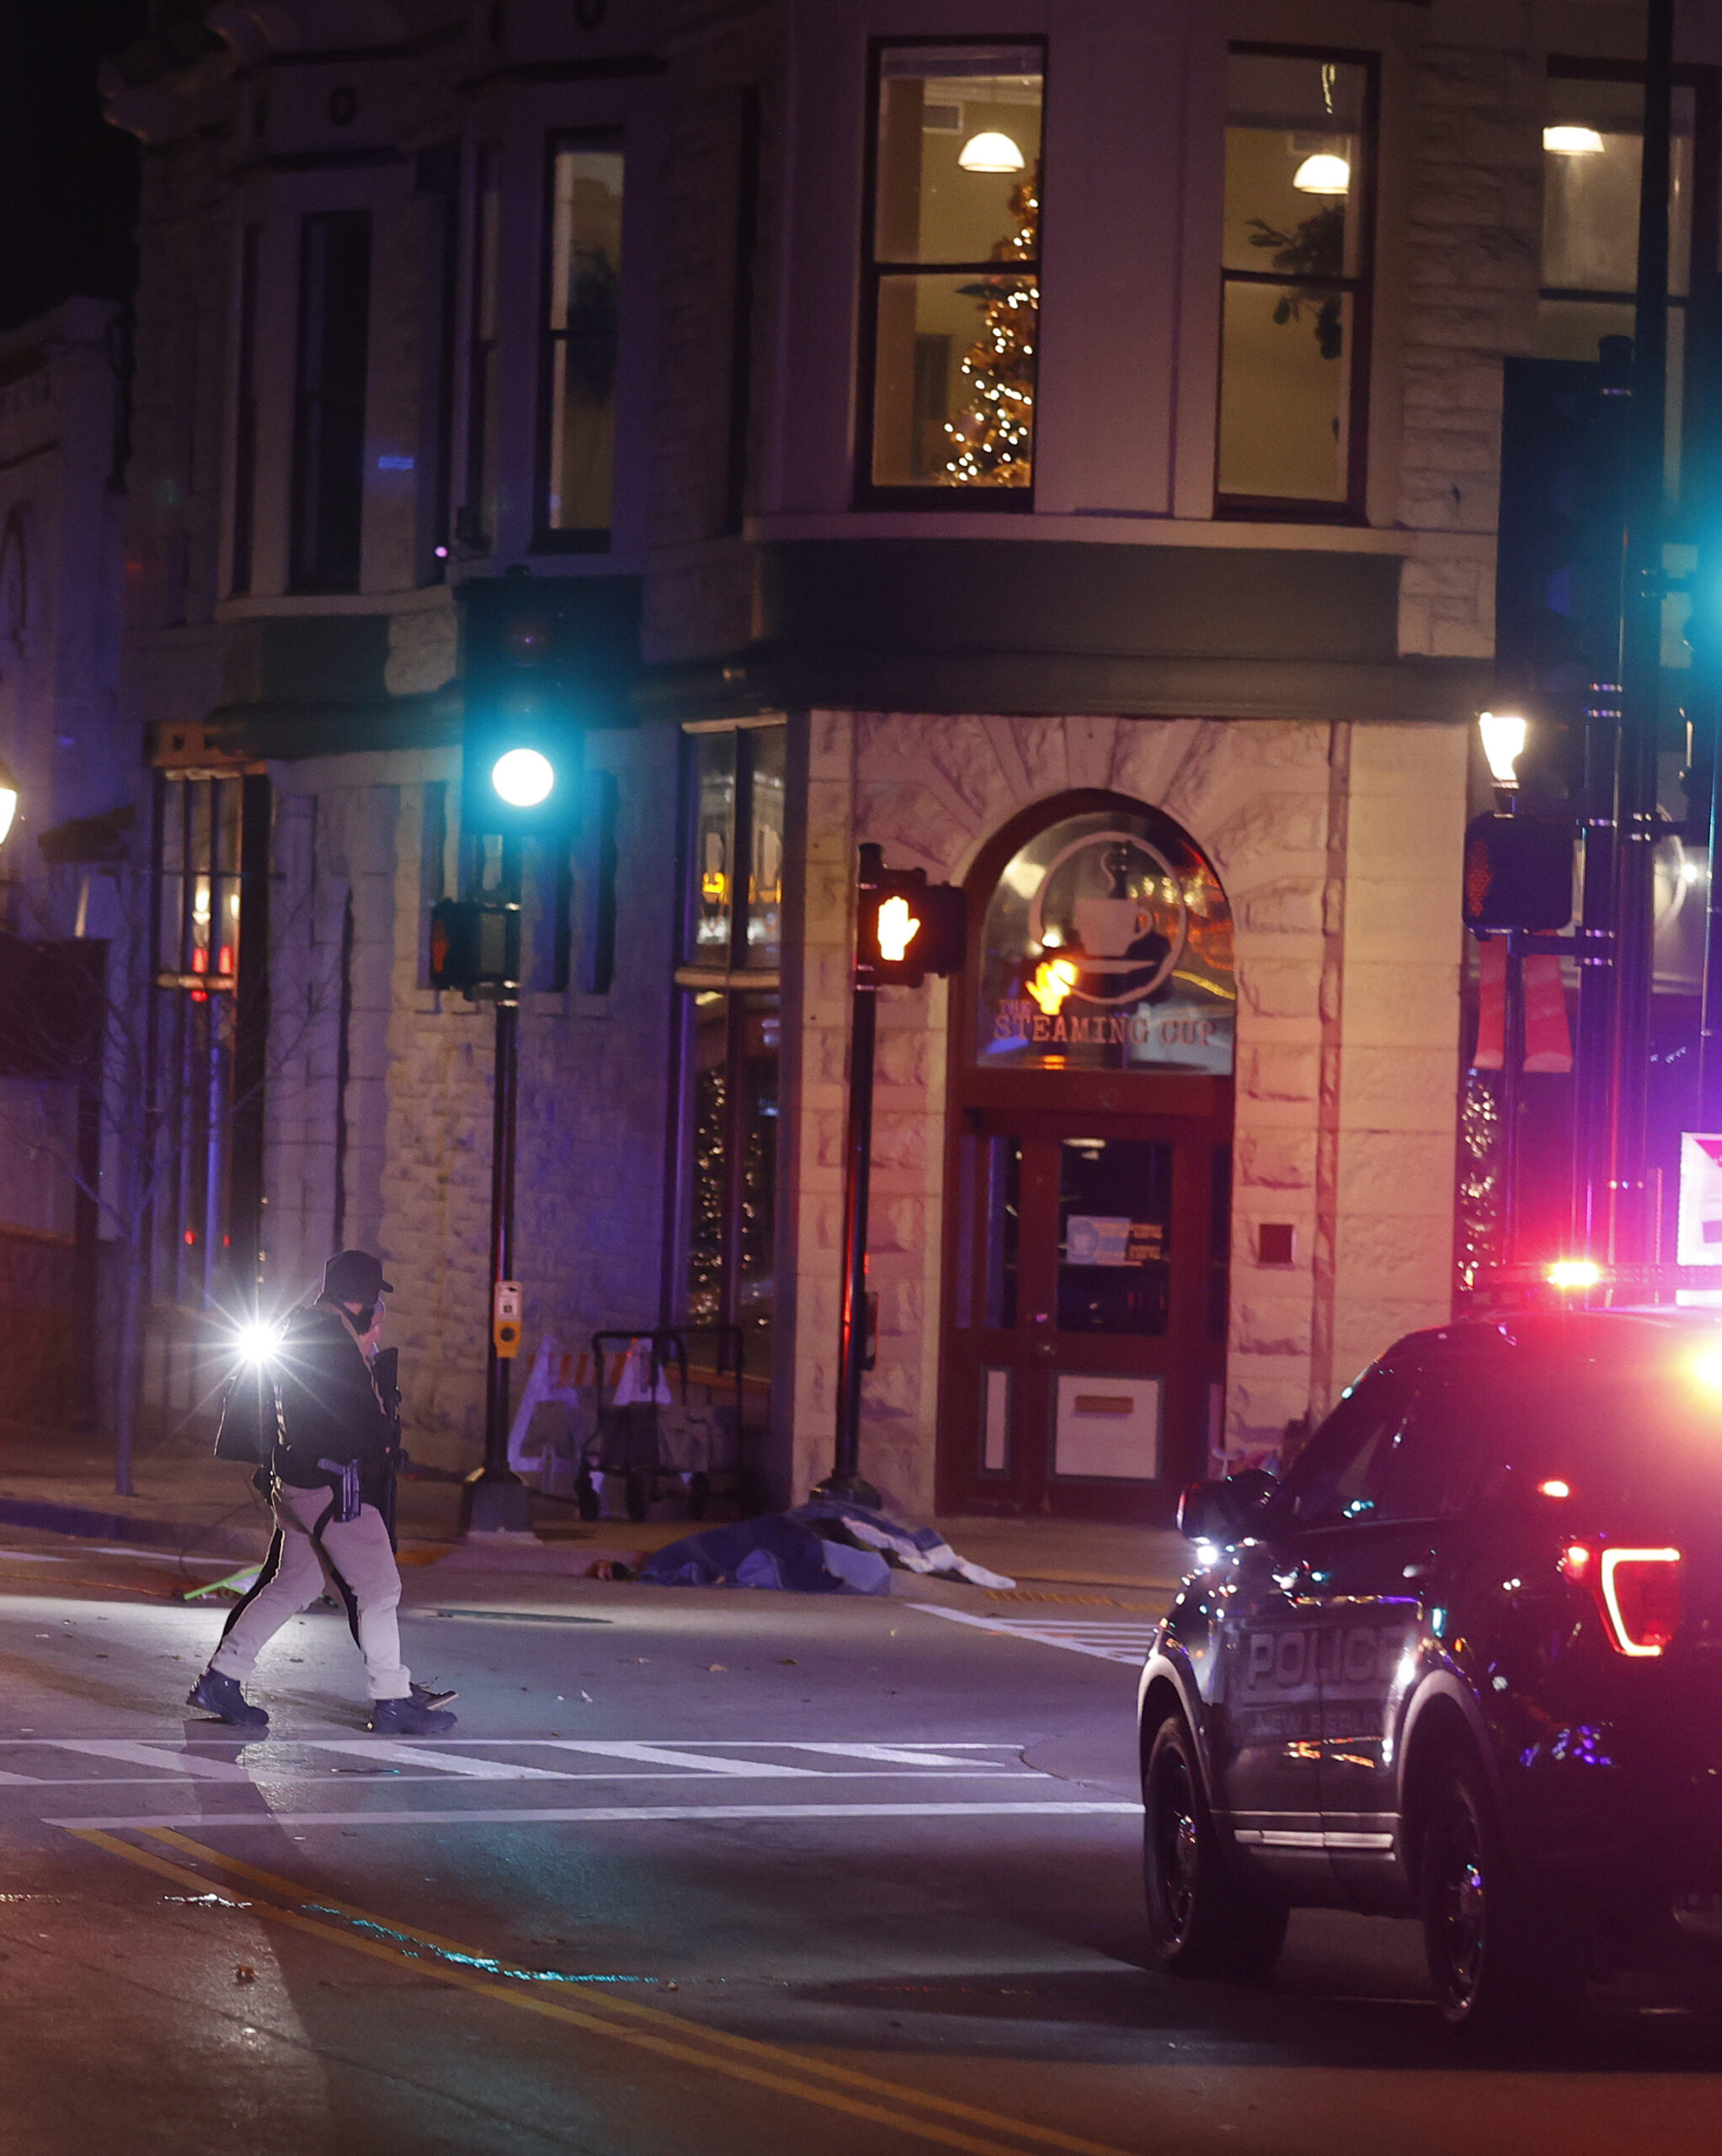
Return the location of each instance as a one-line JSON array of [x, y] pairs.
[[1059, 443]]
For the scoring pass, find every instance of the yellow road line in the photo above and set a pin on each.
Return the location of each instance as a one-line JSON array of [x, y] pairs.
[[609, 2016], [749, 2045]]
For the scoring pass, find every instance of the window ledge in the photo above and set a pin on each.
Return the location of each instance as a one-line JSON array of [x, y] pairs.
[[1277, 533]]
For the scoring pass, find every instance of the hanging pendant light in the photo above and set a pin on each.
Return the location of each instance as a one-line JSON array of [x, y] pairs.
[[1567, 139], [1323, 174], [989, 152]]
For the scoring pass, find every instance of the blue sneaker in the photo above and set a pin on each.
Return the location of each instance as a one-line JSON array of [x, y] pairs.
[[408, 1717], [222, 1697]]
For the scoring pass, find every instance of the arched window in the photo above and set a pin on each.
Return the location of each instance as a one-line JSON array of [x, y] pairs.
[[1107, 946]]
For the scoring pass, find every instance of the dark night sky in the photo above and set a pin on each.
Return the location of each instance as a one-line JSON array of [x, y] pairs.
[[68, 182]]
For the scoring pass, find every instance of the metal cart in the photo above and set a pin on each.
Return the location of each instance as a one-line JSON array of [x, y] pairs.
[[662, 1448]]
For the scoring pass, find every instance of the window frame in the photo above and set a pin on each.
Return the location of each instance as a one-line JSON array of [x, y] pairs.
[[1705, 234], [1010, 501], [474, 519], [592, 539], [739, 987], [310, 550], [1286, 509]]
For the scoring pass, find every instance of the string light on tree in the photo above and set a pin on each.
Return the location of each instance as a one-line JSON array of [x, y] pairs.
[[992, 440]]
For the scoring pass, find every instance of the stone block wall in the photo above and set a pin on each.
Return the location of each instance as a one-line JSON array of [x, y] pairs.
[[1473, 251], [416, 1107], [1338, 848]]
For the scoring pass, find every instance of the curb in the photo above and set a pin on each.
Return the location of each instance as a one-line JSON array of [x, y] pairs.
[[122, 1527]]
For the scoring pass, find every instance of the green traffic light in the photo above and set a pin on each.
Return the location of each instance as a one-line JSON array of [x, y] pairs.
[[523, 778]]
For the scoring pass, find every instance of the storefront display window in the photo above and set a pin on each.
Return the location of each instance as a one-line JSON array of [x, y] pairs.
[[722, 1264], [1107, 946]]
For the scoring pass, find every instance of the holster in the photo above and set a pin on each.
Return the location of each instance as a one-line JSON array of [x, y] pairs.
[[348, 1500]]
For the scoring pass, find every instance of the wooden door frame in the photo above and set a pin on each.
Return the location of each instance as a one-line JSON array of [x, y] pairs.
[[1197, 1098]]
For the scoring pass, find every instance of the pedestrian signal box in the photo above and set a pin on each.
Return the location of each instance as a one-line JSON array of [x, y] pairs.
[[907, 927], [475, 947], [1519, 874], [506, 1304]]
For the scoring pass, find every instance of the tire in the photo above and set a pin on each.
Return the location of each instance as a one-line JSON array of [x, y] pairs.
[[586, 1497], [1203, 1918], [639, 1495], [1499, 1965]]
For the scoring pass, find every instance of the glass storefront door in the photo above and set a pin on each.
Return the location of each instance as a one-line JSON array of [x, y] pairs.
[[1080, 1369]]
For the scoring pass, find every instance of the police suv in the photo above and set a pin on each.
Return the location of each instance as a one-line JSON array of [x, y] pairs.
[[1464, 1661]]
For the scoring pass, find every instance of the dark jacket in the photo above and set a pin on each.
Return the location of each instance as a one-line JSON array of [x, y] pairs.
[[329, 1406]]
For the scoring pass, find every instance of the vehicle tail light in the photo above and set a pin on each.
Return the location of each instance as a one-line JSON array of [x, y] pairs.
[[1638, 1592]]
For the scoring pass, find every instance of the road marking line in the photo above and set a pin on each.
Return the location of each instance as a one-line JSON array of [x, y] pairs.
[[154, 1755], [609, 2018], [899, 1754], [595, 1814], [417, 1755], [661, 1755], [633, 2011], [1126, 1646]]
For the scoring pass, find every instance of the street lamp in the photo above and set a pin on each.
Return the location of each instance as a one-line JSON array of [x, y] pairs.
[[9, 800], [1503, 744]]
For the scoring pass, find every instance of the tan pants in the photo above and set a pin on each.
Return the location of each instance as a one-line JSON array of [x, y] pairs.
[[362, 1570]]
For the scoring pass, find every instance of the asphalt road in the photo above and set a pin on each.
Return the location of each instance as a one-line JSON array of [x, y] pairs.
[[698, 1872]]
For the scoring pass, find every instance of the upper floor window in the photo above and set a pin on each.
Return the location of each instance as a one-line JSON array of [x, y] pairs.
[[1295, 331], [329, 429], [952, 309], [583, 300], [476, 525], [1593, 140]]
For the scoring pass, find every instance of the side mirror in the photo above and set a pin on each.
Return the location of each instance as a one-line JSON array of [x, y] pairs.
[[1226, 1511]]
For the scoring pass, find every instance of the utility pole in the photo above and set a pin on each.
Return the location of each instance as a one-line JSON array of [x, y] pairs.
[[1631, 1230]]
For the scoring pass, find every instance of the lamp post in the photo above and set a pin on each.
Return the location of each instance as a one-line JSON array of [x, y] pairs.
[[1503, 735]]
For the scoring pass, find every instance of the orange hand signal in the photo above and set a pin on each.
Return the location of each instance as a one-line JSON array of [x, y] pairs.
[[898, 929]]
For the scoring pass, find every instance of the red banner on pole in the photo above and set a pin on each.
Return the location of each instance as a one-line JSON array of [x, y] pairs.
[[1491, 1004], [1548, 1044]]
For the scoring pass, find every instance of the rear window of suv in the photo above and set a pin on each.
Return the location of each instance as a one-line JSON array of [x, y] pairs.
[[1653, 1432]]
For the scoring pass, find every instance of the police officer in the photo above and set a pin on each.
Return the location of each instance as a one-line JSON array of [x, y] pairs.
[[331, 1466]]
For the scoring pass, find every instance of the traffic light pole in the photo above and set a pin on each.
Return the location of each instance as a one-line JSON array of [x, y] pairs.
[[495, 1500], [845, 1480]]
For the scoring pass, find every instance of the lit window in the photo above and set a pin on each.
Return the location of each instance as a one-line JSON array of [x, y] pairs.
[[1295, 283], [1593, 141], [953, 272]]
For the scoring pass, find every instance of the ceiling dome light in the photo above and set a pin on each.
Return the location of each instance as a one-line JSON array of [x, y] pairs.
[[1569, 141], [989, 152], [1324, 174]]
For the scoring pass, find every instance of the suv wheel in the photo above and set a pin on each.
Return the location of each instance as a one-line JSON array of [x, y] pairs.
[[1204, 1920], [1499, 1964]]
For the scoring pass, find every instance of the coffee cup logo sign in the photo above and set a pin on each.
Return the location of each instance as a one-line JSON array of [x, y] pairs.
[[1107, 947]]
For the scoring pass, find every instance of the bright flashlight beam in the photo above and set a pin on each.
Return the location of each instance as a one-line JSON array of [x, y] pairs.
[[256, 1342]]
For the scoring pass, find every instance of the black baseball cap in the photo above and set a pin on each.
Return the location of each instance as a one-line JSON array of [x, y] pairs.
[[354, 1276]]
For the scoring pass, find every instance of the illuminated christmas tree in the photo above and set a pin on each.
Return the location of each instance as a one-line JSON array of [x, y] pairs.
[[992, 440]]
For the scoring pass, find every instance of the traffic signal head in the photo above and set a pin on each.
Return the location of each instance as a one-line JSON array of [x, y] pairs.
[[907, 928], [1518, 874], [542, 659]]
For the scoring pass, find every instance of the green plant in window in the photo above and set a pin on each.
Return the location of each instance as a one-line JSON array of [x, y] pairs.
[[1314, 247]]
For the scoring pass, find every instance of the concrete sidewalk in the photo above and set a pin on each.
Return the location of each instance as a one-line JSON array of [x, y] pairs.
[[62, 1482]]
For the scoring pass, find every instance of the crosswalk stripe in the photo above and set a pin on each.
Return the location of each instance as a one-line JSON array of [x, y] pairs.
[[1126, 1644], [419, 1755], [155, 1755], [661, 1755], [892, 1754]]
